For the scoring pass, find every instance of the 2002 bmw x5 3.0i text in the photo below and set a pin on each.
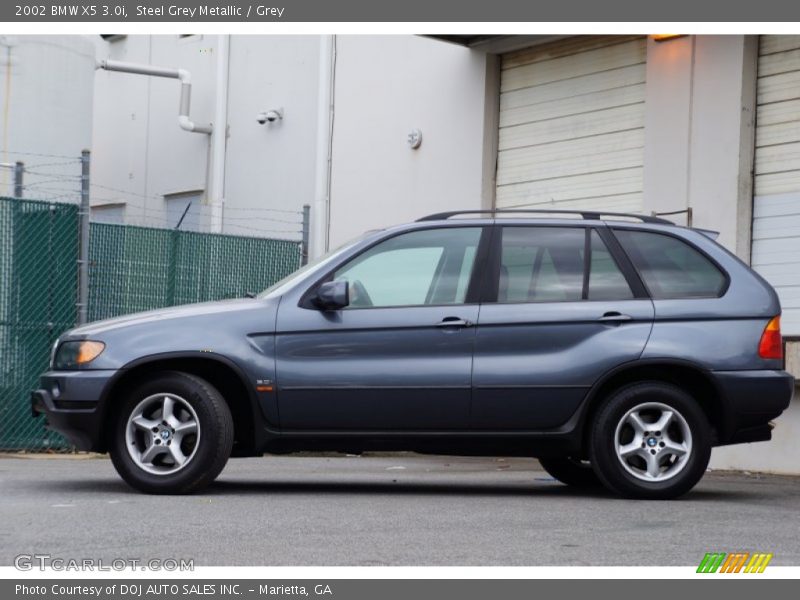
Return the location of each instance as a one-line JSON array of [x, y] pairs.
[[617, 350]]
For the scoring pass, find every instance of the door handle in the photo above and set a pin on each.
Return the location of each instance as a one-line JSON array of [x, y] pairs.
[[454, 322], [614, 317]]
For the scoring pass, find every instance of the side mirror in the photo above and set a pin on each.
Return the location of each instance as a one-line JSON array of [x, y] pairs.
[[332, 295]]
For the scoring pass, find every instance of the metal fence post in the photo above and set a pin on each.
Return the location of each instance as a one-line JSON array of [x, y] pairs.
[[19, 172], [83, 260], [172, 273], [175, 242], [306, 229]]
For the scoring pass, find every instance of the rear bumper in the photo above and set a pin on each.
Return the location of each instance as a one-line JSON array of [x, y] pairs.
[[70, 401], [752, 399]]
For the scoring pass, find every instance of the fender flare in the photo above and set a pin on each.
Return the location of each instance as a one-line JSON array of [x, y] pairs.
[[592, 398], [253, 403]]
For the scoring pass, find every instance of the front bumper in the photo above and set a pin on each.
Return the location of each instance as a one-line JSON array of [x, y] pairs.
[[70, 401], [752, 399]]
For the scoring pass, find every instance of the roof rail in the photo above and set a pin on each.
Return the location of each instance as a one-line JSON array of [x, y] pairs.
[[592, 215]]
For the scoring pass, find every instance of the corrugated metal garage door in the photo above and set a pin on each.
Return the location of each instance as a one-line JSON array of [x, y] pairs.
[[776, 209], [572, 124]]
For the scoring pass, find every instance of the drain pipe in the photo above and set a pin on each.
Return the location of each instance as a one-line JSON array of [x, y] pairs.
[[216, 198], [320, 219], [184, 76]]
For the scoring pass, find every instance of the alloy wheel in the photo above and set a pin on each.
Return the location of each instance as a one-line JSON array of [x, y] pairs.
[[162, 434], [653, 442]]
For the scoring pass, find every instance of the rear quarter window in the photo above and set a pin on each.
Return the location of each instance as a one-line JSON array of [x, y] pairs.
[[671, 268]]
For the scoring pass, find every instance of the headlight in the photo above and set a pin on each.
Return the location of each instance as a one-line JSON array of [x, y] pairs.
[[71, 355]]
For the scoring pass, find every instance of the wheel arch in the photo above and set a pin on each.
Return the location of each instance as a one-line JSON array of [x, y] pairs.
[[221, 372], [692, 378]]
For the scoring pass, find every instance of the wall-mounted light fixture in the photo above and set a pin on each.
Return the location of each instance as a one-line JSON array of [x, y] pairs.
[[269, 116], [415, 139], [665, 37]]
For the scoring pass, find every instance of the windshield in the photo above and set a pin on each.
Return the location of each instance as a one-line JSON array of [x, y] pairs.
[[281, 286]]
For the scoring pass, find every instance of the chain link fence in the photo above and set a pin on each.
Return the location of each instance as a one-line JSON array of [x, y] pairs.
[[38, 284], [131, 268]]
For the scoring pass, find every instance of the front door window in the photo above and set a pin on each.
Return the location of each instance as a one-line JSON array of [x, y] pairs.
[[428, 267]]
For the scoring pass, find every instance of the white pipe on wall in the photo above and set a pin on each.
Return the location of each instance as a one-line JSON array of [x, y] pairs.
[[320, 214], [216, 197], [184, 76]]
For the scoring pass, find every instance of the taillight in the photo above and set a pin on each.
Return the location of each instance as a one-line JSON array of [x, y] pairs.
[[771, 344]]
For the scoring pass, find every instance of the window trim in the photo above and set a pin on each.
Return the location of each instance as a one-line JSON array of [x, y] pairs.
[[624, 263], [726, 276], [490, 286], [472, 289], [587, 262]]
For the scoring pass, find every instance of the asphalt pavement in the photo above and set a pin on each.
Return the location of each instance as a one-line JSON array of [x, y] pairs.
[[386, 510]]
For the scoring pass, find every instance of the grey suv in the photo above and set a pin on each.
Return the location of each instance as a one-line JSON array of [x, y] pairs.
[[617, 349]]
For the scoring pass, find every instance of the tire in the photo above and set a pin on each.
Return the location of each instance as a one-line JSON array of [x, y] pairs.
[[571, 471], [168, 416], [635, 455]]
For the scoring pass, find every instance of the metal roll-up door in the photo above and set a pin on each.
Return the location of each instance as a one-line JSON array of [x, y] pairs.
[[572, 124], [776, 207]]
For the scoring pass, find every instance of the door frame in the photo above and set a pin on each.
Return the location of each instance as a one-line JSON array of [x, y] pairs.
[[300, 300]]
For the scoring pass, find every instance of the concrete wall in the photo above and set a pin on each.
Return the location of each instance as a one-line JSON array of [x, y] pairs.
[[142, 154], [668, 106], [46, 119], [385, 87], [699, 132], [271, 166], [723, 137], [139, 152]]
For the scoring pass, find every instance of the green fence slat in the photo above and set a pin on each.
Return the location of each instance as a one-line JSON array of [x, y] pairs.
[[38, 286], [135, 268]]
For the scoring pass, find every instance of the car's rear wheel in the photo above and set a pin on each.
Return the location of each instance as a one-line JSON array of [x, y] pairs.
[[173, 434], [650, 440], [571, 471]]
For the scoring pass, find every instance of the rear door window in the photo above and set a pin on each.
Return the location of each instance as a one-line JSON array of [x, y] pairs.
[[547, 264], [671, 268], [606, 281]]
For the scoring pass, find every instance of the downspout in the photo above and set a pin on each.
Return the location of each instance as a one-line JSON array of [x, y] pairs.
[[216, 197], [322, 180], [184, 76]]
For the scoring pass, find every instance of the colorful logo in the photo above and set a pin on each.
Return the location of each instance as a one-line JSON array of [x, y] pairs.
[[736, 562]]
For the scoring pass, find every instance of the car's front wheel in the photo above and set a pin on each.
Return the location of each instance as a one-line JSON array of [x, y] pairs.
[[650, 440], [173, 434]]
